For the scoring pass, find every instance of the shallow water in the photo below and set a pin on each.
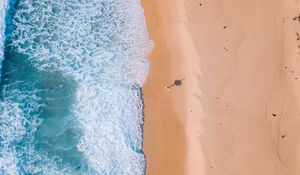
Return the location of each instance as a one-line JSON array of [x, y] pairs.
[[3, 11], [70, 87]]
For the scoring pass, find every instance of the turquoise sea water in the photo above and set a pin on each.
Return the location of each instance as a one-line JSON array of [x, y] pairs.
[[70, 98]]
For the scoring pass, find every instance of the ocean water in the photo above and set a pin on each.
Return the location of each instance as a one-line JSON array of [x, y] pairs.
[[3, 11], [70, 98]]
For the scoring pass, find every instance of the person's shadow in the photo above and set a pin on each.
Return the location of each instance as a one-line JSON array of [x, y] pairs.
[[176, 83]]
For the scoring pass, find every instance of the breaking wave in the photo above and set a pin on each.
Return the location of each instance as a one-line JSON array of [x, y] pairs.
[[70, 87]]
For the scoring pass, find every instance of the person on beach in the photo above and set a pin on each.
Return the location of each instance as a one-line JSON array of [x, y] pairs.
[[176, 83]]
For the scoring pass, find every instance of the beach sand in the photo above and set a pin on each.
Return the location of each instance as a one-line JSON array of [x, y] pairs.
[[164, 137], [238, 110]]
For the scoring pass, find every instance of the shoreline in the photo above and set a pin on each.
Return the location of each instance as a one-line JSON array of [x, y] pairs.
[[175, 57], [164, 136]]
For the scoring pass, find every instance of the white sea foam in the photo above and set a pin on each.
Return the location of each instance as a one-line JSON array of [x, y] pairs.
[[111, 119], [104, 45], [13, 130], [3, 9], [86, 38]]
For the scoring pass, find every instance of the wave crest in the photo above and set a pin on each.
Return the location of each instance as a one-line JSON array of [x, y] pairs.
[[103, 45]]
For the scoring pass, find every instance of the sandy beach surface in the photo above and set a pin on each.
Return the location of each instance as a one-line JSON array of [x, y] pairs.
[[238, 110]]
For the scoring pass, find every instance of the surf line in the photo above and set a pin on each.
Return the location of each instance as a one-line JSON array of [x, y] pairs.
[[4, 7]]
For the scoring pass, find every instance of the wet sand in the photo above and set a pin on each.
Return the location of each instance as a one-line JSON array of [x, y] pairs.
[[237, 111], [164, 138]]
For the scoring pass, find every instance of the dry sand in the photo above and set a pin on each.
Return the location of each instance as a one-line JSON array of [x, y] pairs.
[[238, 110]]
